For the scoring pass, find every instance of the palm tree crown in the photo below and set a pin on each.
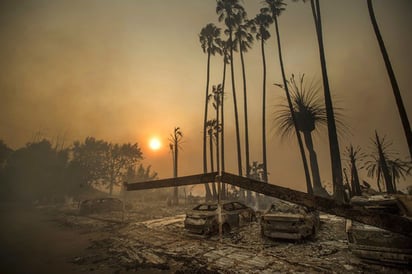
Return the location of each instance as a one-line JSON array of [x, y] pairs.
[[261, 24], [227, 9], [209, 39], [308, 106]]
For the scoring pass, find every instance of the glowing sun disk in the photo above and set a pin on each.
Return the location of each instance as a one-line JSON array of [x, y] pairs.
[[154, 143]]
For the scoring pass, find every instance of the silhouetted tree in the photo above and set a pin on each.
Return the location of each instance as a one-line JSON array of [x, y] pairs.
[[36, 172], [395, 88], [227, 10], [354, 156], [398, 169], [88, 159], [209, 40], [275, 8], [332, 132], [310, 113], [5, 152], [261, 25], [104, 163], [175, 141], [385, 165], [378, 166], [211, 129], [119, 159], [336, 163], [224, 46], [242, 43]]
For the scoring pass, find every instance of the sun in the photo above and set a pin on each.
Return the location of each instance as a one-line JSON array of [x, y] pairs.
[[154, 143]]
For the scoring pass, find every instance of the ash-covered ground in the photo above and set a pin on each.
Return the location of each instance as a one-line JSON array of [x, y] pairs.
[[150, 238]]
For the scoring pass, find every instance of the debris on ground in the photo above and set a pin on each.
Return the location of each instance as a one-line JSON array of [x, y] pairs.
[[151, 237]]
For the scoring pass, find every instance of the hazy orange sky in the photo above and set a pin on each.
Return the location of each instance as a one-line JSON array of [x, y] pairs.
[[124, 71]]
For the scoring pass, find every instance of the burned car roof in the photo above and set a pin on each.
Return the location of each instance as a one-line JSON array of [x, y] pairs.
[[203, 218]]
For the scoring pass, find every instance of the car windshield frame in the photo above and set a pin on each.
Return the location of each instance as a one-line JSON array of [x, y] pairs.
[[205, 207]]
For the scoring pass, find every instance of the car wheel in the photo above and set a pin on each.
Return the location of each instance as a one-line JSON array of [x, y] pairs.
[[225, 228]]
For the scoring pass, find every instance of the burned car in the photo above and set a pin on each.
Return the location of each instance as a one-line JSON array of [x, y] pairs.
[[289, 221], [100, 205], [203, 219], [375, 244]]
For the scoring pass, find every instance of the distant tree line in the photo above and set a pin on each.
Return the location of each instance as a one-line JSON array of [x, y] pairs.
[[43, 172]]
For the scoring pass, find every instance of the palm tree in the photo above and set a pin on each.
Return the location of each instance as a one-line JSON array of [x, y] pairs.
[[394, 83], [385, 165], [227, 10], [224, 48], [378, 165], [354, 155], [275, 8], [209, 40], [217, 94], [260, 27], [309, 114], [175, 141], [211, 127], [398, 169], [244, 39], [336, 163], [332, 132]]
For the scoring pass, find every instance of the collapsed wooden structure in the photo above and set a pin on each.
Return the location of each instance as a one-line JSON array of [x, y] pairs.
[[394, 223]]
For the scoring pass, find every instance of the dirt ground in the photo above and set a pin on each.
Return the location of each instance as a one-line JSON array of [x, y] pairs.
[[150, 238]]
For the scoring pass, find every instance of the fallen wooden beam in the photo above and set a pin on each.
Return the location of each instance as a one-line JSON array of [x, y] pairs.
[[389, 222], [386, 221], [171, 182]]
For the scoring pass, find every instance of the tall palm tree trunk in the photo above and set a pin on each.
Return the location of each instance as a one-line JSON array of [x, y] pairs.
[[317, 185], [248, 192], [223, 192], [394, 83], [265, 166], [222, 135], [219, 186], [332, 133], [205, 117], [212, 163], [245, 112], [292, 112], [239, 155], [175, 168], [207, 188]]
